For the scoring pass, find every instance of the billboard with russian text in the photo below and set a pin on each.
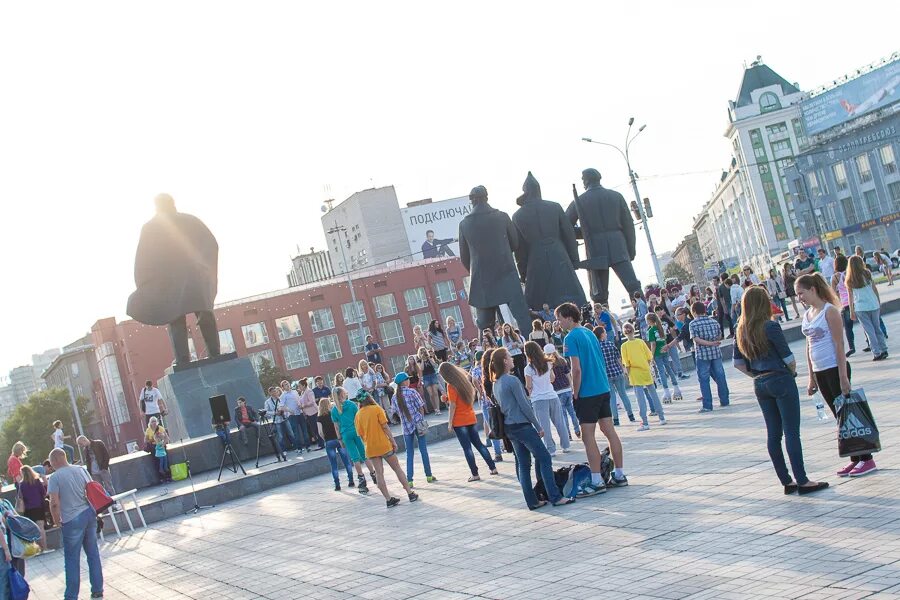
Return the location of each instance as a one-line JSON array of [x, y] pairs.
[[433, 228], [866, 93]]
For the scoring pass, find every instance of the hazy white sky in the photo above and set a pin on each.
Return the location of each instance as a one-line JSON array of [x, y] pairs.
[[245, 111]]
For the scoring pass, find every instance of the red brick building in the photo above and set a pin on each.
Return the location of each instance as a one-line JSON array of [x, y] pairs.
[[308, 330]]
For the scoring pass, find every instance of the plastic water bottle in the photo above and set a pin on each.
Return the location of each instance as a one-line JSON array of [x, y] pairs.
[[820, 410]]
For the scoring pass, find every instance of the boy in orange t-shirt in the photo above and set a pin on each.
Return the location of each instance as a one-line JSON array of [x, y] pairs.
[[372, 426]]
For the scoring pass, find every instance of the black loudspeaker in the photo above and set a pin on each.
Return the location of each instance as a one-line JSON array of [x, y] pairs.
[[218, 405]]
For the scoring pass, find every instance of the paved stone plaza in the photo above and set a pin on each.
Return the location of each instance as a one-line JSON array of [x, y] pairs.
[[704, 517]]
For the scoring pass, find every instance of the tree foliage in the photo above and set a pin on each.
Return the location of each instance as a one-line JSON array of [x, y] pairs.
[[674, 269], [32, 422], [270, 374]]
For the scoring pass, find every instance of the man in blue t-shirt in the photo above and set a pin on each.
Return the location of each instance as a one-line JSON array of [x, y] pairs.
[[590, 391]]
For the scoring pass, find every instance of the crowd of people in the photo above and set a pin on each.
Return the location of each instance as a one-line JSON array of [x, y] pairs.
[[569, 375]]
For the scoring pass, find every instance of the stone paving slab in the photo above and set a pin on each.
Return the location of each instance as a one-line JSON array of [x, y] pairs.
[[704, 518]]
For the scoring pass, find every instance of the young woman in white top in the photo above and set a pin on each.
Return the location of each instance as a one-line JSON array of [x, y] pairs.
[[352, 384], [829, 371], [865, 305], [514, 344], [539, 379]]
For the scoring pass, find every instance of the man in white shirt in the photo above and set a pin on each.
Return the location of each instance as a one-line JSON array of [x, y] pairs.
[[276, 411], [152, 403], [290, 401], [826, 264]]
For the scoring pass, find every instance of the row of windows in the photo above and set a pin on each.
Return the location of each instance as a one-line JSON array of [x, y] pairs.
[[322, 319], [328, 347], [819, 185]]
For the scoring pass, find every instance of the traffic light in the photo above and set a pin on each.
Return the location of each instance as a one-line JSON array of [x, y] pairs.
[[647, 210], [636, 211]]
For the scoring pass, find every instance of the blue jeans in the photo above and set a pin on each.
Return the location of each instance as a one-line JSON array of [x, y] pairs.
[[617, 387], [486, 413], [707, 368], [282, 431], [298, 429], [780, 403], [527, 443], [163, 463], [869, 321], [568, 410], [549, 415], [468, 437], [333, 448], [646, 395], [78, 533], [676, 360], [664, 367], [848, 327], [409, 438]]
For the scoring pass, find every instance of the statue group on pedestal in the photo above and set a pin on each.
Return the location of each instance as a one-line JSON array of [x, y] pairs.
[[538, 247]]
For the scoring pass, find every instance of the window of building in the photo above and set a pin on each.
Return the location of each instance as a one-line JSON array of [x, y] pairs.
[[849, 210], [781, 146], [813, 180], [755, 137], [391, 333], [258, 358], [255, 335], [444, 291], [887, 159], [452, 311], [74, 369], [226, 341], [353, 313], [863, 168], [759, 152], [415, 298], [357, 340], [421, 319], [321, 319], [288, 327], [769, 189], [192, 349], [872, 204], [840, 175], [295, 355], [328, 347], [779, 129], [769, 102], [385, 305], [777, 220], [894, 192], [398, 363]]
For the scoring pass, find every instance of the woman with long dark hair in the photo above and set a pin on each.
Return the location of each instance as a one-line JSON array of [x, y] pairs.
[[538, 335], [829, 370], [539, 378], [462, 421], [409, 406], [437, 337], [515, 345], [524, 431], [839, 285], [427, 366], [762, 353], [487, 386], [789, 276], [488, 341]]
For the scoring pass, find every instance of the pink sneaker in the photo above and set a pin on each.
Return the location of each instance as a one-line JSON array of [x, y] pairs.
[[863, 468], [846, 470]]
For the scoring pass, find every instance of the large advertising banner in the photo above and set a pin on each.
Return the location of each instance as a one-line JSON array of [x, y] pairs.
[[855, 98], [433, 228]]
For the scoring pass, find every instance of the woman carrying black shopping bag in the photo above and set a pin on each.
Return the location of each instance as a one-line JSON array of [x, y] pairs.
[[829, 371]]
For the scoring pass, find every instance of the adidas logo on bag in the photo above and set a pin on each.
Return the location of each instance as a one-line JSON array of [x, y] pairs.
[[853, 428]]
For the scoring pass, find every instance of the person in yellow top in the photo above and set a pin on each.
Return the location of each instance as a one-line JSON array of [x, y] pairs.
[[636, 359], [154, 434], [372, 426]]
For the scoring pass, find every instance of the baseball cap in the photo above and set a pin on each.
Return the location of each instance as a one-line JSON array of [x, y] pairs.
[[549, 348], [400, 378]]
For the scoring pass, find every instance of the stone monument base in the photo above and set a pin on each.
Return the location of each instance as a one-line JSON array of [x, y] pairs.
[[187, 391]]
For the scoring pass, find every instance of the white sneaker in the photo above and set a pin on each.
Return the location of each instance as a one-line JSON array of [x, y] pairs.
[[553, 453], [566, 451], [644, 428], [663, 422]]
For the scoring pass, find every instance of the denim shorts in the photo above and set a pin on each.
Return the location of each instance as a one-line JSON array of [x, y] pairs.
[[428, 380]]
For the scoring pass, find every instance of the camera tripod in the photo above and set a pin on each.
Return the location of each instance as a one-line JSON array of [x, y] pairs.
[[269, 427], [226, 452]]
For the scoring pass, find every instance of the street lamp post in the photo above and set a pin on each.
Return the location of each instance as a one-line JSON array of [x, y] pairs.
[[362, 332], [637, 196]]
